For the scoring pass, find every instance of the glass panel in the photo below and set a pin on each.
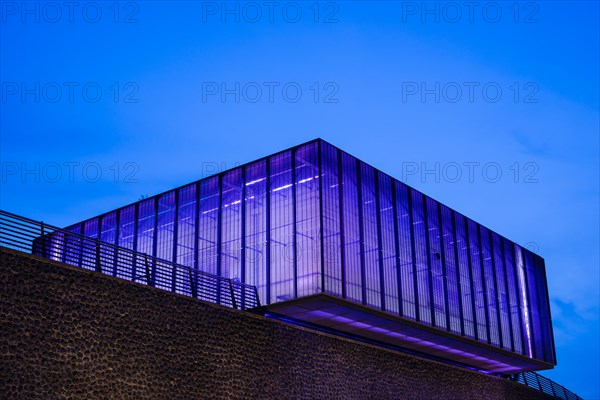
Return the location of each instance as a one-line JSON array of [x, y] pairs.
[[331, 220], [166, 222], [186, 222], [534, 305], [435, 257], [419, 231], [543, 299], [231, 225], [127, 226], [256, 227], [466, 275], [207, 225], [525, 305], [108, 234], [388, 250], [492, 298], [405, 259], [478, 283], [164, 275], [56, 243], [73, 246], [308, 256], [186, 236], [281, 217], [145, 230], [513, 299], [351, 229], [90, 229], [503, 307], [451, 269], [125, 261], [371, 248]]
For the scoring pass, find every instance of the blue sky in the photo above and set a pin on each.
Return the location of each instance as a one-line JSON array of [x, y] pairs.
[[492, 110]]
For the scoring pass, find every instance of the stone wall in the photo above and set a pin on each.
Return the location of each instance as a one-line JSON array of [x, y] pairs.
[[68, 333]]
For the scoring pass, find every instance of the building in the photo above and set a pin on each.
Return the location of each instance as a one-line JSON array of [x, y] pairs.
[[330, 241]]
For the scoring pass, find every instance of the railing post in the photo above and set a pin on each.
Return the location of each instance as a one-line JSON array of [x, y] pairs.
[[233, 302], [174, 278], [538, 382], [43, 239], [256, 294], [195, 284], [98, 266], [191, 273], [243, 297], [148, 278]]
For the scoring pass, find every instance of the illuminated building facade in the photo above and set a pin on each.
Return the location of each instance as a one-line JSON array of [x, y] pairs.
[[332, 242]]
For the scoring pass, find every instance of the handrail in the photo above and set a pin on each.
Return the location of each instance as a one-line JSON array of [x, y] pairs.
[[543, 384], [40, 239]]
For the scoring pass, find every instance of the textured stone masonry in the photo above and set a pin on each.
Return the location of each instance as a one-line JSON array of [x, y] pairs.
[[67, 333]]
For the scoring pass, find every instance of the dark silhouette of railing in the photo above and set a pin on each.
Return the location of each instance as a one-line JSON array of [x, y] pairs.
[[544, 384], [57, 244]]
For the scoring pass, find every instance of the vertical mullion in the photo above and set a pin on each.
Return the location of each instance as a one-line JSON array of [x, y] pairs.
[[549, 322], [429, 263], [342, 232], [154, 244], [196, 227], [136, 215], [243, 239], [443, 259], [472, 283], [508, 302], [529, 314], [361, 233], [413, 254], [117, 231], [518, 295], [458, 277], [484, 285], [379, 241], [175, 224], [294, 223], [540, 297], [320, 169], [397, 247], [175, 232], [496, 292], [243, 230], [195, 235], [155, 228], [81, 246], [268, 233], [219, 234]]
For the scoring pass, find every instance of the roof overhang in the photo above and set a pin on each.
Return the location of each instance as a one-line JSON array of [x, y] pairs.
[[362, 321]]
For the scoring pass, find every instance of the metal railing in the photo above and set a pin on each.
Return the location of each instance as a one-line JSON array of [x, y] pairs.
[[543, 384], [57, 244]]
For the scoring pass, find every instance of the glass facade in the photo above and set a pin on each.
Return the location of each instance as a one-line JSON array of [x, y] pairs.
[[314, 219]]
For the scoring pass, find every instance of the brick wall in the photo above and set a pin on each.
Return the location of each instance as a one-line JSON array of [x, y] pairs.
[[73, 334]]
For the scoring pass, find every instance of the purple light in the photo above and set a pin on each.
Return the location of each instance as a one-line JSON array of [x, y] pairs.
[[521, 272]]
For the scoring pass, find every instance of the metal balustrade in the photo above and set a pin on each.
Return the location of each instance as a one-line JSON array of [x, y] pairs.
[[47, 241], [544, 384]]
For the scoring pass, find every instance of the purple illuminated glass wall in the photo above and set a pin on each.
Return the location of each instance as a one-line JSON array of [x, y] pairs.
[[315, 219]]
